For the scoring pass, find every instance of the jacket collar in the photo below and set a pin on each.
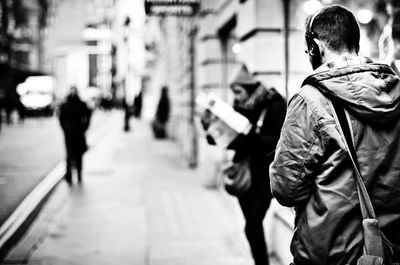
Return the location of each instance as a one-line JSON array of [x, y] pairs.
[[345, 65], [344, 61]]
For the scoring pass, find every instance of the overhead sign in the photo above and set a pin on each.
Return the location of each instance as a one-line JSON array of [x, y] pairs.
[[171, 7]]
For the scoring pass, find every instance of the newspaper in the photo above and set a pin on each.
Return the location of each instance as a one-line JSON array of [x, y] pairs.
[[226, 123]]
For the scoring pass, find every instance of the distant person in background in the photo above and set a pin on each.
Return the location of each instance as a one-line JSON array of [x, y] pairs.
[[2, 105], [74, 119], [162, 115], [20, 109], [137, 105], [127, 115], [8, 106]]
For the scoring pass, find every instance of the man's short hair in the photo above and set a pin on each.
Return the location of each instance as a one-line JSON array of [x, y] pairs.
[[336, 26]]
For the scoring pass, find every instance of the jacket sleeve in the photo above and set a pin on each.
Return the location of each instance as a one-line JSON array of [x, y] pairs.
[[297, 155]]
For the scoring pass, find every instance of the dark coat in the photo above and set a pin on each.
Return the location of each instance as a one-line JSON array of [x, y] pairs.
[[163, 108], [75, 118], [260, 147]]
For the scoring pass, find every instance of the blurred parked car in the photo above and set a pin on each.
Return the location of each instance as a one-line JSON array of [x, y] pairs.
[[37, 95]]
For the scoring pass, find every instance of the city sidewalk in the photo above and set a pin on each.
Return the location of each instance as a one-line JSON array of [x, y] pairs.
[[138, 204]]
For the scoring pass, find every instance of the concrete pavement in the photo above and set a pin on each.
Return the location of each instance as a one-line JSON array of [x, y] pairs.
[[31, 164], [138, 204], [28, 152]]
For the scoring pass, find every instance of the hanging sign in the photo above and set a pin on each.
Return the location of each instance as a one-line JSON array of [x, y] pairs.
[[171, 7]]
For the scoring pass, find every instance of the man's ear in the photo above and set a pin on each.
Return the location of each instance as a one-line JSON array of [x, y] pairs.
[[316, 47], [317, 51]]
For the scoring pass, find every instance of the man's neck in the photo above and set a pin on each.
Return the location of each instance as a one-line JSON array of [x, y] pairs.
[[330, 56]]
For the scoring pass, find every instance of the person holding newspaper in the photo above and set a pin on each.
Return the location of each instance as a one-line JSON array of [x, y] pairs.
[[251, 99]]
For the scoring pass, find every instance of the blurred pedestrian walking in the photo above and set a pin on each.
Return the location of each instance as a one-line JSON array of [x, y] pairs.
[[251, 99], [137, 105], [162, 115], [74, 119], [127, 115], [8, 106], [20, 109], [312, 170], [2, 107]]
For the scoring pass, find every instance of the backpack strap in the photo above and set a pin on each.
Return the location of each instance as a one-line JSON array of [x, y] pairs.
[[344, 125]]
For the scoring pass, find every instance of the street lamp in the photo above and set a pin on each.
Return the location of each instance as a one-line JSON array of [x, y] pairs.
[[236, 48], [364, 16]]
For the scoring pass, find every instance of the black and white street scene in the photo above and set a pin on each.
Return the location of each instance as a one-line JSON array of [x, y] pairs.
[[200, 132]]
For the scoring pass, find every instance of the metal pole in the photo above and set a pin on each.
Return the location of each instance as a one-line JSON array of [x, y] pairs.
[[286, 8], [194, 154]]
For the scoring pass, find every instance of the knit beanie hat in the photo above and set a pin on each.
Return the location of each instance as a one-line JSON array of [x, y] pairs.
[[242, 77]]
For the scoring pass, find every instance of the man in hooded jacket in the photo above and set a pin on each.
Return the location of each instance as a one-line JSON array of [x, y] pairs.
[[312, 171]]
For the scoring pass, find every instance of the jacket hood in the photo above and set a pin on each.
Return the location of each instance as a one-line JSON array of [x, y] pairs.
[[370, 91], [242, 76]]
